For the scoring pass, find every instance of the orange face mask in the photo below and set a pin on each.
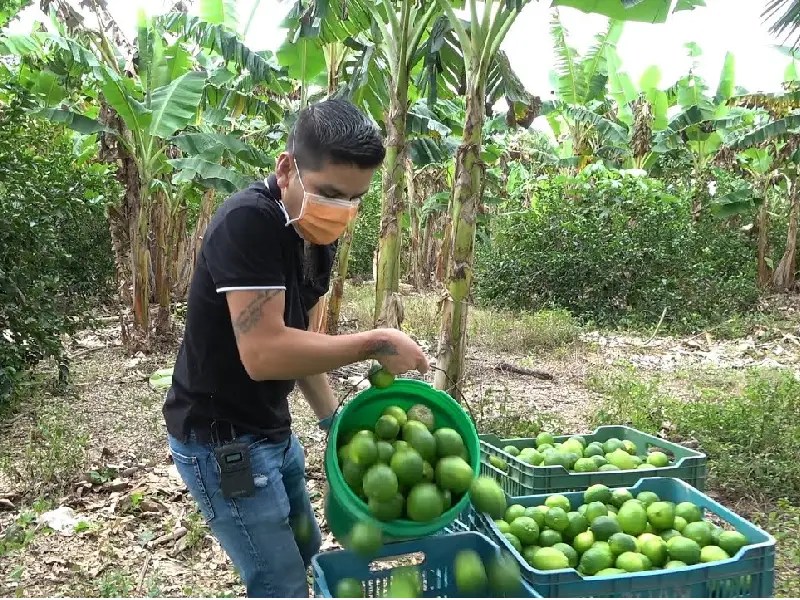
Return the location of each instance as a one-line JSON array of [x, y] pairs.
[[322, 220]]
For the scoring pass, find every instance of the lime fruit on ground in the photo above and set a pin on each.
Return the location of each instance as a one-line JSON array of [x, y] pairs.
[[526, 529], [631, 562], [379, 377], [398, 413], [604, 527], [502, 525], [421, 440], [550, 559], [408, 466], [632, 518], [365, 539], [389, 510], [387, 428], [594, 510], [488, 497], [380, 483], [620, 496], [699, 531], [597, 493], [514, 541], [585, 465], [668, 534], [622, 542], [712, 554], [424, 503], [557, 500], [514, 511], [544, 438], [504, 574], [448, 442], [655, 549], [423, 414], [363, 450], [731, 542], [661, 515], [674, 564], [595, 559], [385, 451], [349, 588], [549, 537], [556, 518], [512, 450], [569, 552], [577, 524], [647, 498], [689, 511], [684, 550], [658, 459], [583, 541], [454, 474], [470, 574]]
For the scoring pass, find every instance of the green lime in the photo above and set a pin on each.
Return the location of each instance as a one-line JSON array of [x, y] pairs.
[[668, 534], [363, 450], [408, 466], [424, 503], [595, 559], [629, 447], [428, 472], [498, 463], [557, 500], [731, 542], [514, 511], [631, 562], [655, 549], [470, 574], [698, 531], [713, 554], [385, 451], [632, 517], [609, 571], [398, 413], [583, 541], [620, 496], [658, 459], [609, 467], [585, 465], [661, 515], [597, 493], [689, 511], [512, 450], [647, 498], [622, 542], [594, 510], [420, 439], [488, 497], [502, 526], [454, 474], [556, 518], [389, 510], [679, 524], [549, 537], [526, 529], [684, 550], [514, 541], [569, 552], [365, 539], [505, 578], [604, 527], [544, 438], [675, 564], [612, 444], [387, 428], [528, 553], [380, 377], [448, 442], [380, 483], [593, 449], [577, 524], [550, 559], [349, 588]]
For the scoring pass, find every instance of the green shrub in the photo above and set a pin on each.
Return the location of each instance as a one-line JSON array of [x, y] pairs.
[[749, 429], [615, 249], [365, 237], [55, 251]]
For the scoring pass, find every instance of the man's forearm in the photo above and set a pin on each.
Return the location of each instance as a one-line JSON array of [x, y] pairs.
[[295, 354], [318, 393]]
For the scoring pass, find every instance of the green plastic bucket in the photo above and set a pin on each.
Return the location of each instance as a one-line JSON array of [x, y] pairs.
[[343, 508]]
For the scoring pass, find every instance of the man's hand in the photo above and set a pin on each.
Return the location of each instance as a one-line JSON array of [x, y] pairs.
[[397, 352]]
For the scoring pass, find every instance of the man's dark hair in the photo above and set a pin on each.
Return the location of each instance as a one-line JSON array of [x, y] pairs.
[[335, 131]]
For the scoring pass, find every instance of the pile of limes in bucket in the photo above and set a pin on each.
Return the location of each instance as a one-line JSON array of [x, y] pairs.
[[612, 532], [406, 467]]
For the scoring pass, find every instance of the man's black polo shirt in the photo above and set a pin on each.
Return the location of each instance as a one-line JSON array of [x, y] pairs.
[[247, 246]]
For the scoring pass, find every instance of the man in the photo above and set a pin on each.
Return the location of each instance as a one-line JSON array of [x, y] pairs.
[[264, 264]]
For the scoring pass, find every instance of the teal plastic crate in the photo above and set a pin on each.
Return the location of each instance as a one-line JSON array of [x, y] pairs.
[[435, 552], [748, 574], [522, 479]]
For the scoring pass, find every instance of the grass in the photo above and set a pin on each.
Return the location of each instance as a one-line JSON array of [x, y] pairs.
[[504, 331], [783, 522]]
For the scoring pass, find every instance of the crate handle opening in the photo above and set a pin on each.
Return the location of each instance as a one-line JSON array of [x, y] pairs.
[[410, 559]]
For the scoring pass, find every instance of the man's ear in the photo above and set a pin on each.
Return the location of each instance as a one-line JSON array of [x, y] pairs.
[[284, 168]]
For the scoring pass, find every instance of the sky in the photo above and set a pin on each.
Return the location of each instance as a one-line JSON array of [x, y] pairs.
[[721, 26]]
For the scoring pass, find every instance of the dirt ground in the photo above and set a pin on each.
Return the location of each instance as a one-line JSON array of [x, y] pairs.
[[140, 534]]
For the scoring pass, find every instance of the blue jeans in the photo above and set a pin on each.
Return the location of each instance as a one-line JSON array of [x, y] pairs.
[[256, 531]]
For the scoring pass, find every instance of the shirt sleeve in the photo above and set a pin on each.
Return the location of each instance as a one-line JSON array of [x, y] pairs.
[[244, 252]]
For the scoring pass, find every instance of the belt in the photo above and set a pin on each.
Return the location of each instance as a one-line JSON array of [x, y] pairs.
[[223, 432]]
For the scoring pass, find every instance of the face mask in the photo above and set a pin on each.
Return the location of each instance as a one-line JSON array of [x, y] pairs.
[[322, 220]]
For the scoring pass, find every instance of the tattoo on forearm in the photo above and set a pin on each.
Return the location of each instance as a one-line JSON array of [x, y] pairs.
[[251, 315], [383, 348]]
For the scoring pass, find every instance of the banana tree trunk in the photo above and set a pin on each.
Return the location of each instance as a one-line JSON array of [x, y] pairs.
[[188, 259], [140, 266], [784, 276], [162, 228], [337, 286], [764, 274], [388, 306], [415, 202], [465, 203]]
